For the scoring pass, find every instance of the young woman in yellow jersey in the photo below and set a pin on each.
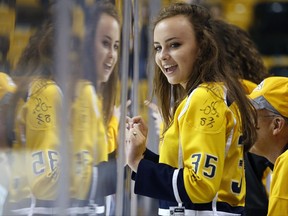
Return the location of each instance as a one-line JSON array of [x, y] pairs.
[[249, 67], [200, 167]]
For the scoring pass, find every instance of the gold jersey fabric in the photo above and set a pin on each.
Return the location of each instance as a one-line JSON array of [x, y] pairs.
[[248, 86], [207, 130], [112, 134], [38, 123], [278, 200], [89, 139], [6, 86]]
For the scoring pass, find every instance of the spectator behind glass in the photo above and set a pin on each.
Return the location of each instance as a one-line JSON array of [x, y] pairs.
[[210, 121]]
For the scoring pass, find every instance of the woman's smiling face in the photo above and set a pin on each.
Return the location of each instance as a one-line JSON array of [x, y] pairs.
[[106, 46], [176, 48]]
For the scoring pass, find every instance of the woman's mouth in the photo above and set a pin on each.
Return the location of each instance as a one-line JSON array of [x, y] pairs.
[[170, 68], [107, 66]]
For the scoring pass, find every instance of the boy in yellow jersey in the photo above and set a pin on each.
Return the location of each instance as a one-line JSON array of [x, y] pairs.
[[270, 98]]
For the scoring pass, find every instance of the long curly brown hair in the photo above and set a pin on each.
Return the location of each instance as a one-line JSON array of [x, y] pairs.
[[241, 52]]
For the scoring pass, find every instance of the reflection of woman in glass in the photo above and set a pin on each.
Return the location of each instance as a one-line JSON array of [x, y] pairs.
[[94, 126]]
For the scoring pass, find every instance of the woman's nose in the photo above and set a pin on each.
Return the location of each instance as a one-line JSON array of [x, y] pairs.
[[164, 55]]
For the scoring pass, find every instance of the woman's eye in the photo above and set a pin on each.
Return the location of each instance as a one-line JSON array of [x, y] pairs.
[[116, 46], [175, 45], [157, 48], [105, 43]]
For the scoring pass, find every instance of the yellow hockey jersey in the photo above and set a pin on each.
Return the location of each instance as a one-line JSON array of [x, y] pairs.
[[39, 127], [278, 200], [201, 160], [89, 139], [6, 86], [112, 134]]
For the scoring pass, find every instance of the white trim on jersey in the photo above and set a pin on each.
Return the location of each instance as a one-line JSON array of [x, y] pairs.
[[214, 204], [188, 212], [186, 105], [229, 139], [174, 185], [54, 211], [85, 210], [94, 184]]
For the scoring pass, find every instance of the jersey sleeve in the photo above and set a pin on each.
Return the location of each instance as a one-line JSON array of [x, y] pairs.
[[112, 134], [278, 200], [201, 128], [41, 114], [100, 133]]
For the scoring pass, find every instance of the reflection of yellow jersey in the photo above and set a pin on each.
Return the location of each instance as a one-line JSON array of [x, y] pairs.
[[112, 134], [204, 140], [88, 138], [278, 200], [6, 86], [39, 120]]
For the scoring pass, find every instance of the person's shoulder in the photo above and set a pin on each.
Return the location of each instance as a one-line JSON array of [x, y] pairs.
[[87, 88], [283, 159], [45, 88], [43, 83], [6, 84], [210, 91], [207, 108]]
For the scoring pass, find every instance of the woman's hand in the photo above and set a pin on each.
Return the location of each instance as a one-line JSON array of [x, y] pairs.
[[135, 145]]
